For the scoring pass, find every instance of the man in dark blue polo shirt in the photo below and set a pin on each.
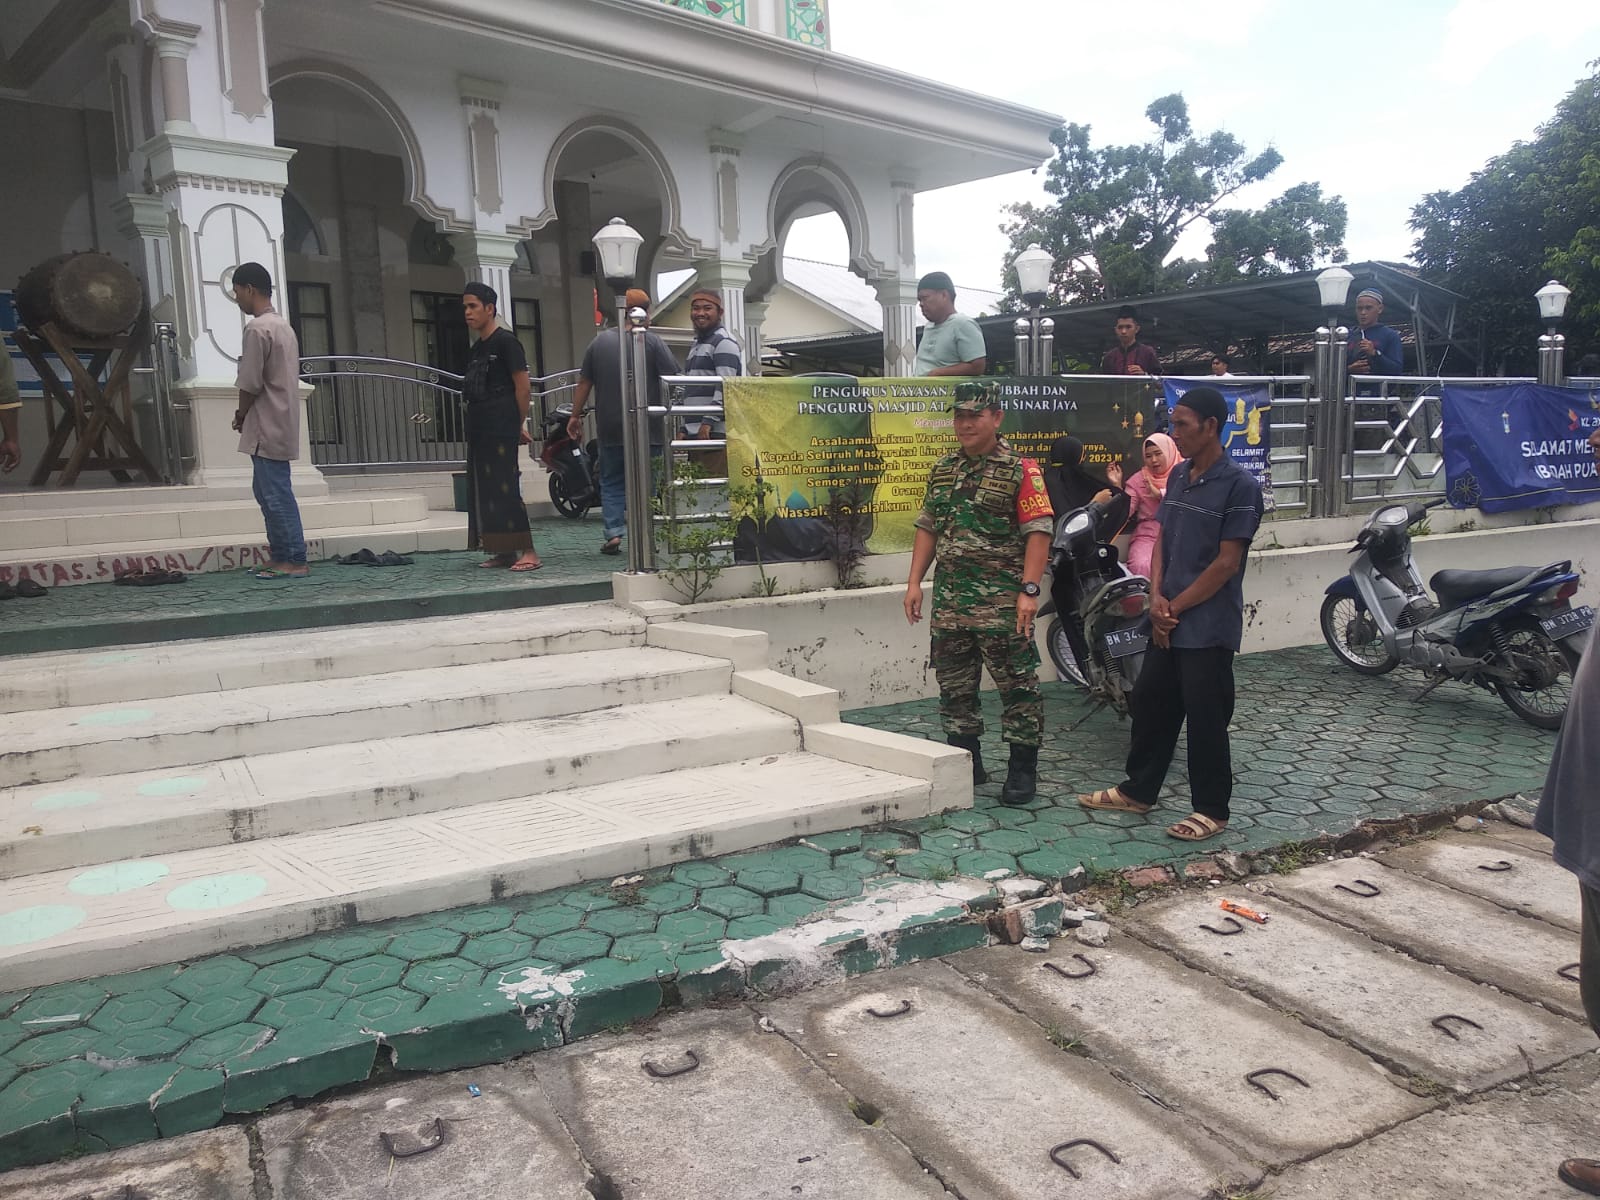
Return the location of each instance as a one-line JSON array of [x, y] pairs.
[[1210, 514]]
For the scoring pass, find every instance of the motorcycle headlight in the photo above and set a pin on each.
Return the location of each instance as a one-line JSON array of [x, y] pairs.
[[1079, 523]]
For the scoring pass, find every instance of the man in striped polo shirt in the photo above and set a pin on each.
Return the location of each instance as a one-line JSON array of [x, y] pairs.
[[715, 352]]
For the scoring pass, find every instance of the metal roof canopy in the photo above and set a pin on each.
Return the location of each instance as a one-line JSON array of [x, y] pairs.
[[1251, 316]]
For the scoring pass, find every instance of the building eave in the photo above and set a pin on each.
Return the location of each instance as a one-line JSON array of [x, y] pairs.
[[744, 67]]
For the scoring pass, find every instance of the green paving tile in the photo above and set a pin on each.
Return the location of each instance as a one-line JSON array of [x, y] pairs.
[[691, 927], [8, 1071], [146, 1043], [790, 909], [612, 994], [216, 1048], [618, 922], [217, 1010], [441, 974], [636, 947], [468, 1026], [858, 865], [667, 897], [392, 1008], [364, 975], [969, 821], [134, 981], [436, 941], [317, 1004], [886, 843], [588, 901], [848, 839], [191, 1101], [307, 1058], [296, 974], [36, 1113], [574, 946], [731, 902], [925, 865], [66, 1004], [475, 922], [116, 1108], [499, 949], [705, 977], [700, 875], [544, 922], [800, 859], [768, 881], [831, 885], [350, 945], [1008, 841], [979, 863], [45, 1048], [753, 927]]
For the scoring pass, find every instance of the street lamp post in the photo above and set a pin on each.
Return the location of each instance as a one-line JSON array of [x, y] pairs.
[[1035, 335], [1334, 418], [618, 247], [1552, 298]]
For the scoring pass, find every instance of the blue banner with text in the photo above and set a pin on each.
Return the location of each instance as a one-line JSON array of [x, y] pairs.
[[1519, 445]]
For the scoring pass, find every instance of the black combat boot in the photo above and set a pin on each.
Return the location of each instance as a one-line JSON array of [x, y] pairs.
[[1022, 775], [970, 745]]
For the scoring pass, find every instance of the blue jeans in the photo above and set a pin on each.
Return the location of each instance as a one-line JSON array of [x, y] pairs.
[[614, 487], [286, 538]]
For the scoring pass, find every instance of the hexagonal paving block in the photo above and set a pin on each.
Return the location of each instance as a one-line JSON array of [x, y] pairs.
[[637, 947], [692, 927], [667, 896], [618, 922], [753, 927], [576, 946], [217, 1010], [1052, 865], [925, 865], [441, 974], [137, 1010], [419, 944], [45, 1048], [316, 1005], [474, 922], [290, 975], [769, 881], [946, 842], [366, 975], [790, 909], [350, 945], [980, 862], [858, 865], [969, 821], [499, 949], [832, 843], [700, 875], [78, 1001], [886, 843], [731, 902], [382, 1010], [588, 900], [800, 859], [146, 1043], [831, 885], [227, 1043], [544, 922], [1008, 841], [1014, 816], [224, 972]]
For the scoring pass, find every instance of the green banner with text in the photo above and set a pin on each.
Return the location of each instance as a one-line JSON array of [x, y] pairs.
[[867, 445]]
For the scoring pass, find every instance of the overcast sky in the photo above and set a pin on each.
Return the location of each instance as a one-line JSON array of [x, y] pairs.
[[1380, 109]]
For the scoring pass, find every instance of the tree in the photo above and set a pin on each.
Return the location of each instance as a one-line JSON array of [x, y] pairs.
[[1122, 209], [1530, 214]]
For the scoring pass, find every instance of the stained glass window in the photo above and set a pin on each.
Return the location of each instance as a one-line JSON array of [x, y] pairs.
[[808, 22], [723, 10]]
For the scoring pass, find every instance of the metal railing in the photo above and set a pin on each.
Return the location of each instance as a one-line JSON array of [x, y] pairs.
[[382, 413]]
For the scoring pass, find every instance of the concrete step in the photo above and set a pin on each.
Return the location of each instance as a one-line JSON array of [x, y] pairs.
[[170, 731], [91, 820], [32, 529], [98, 677], [124, 916]]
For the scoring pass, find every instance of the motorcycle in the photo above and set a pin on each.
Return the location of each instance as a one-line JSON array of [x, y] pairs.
[[1512, 631], [1099, 629], [574, 468]]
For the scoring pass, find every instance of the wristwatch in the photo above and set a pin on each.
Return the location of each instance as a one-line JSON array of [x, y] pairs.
[[1030, 589]]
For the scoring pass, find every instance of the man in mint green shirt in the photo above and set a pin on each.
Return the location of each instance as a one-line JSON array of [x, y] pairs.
[[951, 344]]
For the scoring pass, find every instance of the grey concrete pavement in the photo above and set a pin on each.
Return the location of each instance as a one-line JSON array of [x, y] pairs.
[[1528, 881], [1193, 1041], [214, 1165]]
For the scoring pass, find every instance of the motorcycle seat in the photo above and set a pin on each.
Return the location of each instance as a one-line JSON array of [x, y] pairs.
[[1455, 588]]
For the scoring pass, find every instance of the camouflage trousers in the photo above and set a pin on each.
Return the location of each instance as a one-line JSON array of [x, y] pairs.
[[958, 658]]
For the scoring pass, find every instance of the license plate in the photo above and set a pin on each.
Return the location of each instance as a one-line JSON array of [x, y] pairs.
[[1122, 642], [1565, 624]]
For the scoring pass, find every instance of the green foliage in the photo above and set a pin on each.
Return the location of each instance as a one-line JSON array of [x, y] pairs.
[[1122, 209], [1529, 215], [751, 502], [693, 553], [848, 526]]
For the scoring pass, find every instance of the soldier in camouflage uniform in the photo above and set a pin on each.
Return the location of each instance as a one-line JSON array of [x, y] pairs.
[[986, 517]]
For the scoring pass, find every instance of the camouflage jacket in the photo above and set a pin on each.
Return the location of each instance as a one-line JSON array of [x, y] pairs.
[[982, 510]]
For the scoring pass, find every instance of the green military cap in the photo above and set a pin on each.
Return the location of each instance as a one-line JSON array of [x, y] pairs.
[[976, 397]]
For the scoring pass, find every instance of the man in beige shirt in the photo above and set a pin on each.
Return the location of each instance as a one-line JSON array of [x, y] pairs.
[[268, 419]]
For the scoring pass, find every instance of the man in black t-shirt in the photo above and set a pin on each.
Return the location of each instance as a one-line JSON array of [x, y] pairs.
[[498, 394]]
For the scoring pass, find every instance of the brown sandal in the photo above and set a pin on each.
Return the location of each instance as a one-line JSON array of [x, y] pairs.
[[1112, 800], [1196, 827]]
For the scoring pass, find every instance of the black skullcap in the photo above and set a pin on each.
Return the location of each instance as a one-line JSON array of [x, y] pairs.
[[1206, 402], [936, 281]]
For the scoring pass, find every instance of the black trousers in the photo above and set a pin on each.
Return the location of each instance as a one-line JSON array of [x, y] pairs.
[[1177, 685], [1589, 957]]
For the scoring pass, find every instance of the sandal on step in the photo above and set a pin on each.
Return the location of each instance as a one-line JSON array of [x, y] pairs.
[[1196, 827], [1112, 800], [498, 560], [524, 567]]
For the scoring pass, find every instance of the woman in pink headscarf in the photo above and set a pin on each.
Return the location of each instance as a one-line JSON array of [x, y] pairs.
[[1145, 491]]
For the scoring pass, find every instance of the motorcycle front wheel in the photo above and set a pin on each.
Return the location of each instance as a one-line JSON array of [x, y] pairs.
[[1061, 654], [1353, 636], [1544, 669], [561, 496]]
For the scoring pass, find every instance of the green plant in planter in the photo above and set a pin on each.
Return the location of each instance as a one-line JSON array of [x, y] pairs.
[[751, 501], [693, 553]]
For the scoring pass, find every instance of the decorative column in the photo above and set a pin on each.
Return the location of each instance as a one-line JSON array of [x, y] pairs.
[[487, 258], [172, 41], [755, 315], [898, 295]]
